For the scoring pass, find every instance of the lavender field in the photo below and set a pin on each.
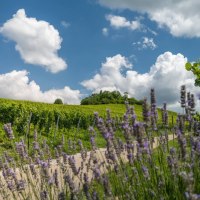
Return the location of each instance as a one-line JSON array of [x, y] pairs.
[[151, 161]]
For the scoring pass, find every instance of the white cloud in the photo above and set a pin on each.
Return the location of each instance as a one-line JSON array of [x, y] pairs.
[[65, 24], [105, 31], [16, 85], [180, 17], [166, 76], [36, 41], [146, 43], [121, 22]]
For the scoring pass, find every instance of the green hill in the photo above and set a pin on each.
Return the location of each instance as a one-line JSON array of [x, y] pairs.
[[53, 121]]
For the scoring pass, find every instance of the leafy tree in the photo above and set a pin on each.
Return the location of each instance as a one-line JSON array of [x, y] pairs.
[[195, 68], [106, 97], [58, 101]]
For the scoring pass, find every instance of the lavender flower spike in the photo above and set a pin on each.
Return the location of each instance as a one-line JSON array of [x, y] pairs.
[[8, 129]]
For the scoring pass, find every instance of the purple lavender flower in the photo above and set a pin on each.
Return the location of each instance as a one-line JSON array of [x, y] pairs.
[[97, 173], [95, 195], [183, 96], [44, 195], [21, 149], [56, 178], [35, 135], [8, 129], [21, 184], [145, 172], [61, 196], [145, 111], [73, 165], [70, 182], [32, 168], [11, 185]]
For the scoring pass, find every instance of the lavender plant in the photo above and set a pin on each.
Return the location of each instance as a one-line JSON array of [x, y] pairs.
[[135, 166]]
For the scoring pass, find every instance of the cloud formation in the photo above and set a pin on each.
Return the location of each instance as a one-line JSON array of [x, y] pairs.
[[105, 31], [65, 24], [180, 17], [166, 76], [121, 22], [16, 85], [146, 43], [37, 41]]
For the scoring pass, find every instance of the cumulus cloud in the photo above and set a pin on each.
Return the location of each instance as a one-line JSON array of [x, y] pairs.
[[105, 31], [37, 41], [180, 17], [166, 76], [121, 22], [146, 43], [17, 85]]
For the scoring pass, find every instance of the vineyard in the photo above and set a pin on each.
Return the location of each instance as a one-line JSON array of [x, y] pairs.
[[42, 115], [54, 122]]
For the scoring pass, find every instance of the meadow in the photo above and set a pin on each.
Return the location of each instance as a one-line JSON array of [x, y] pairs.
[[125, 152]]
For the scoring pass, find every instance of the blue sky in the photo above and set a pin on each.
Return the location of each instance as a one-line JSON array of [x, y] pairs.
[[71, 48]]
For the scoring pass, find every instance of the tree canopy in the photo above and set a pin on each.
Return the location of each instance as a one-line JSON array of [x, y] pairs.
[[58, 101], [106, 97]]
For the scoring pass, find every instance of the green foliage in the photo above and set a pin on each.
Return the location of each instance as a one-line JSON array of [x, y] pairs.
[[195, 68], [106, 97], [45, 116], [58, 101]]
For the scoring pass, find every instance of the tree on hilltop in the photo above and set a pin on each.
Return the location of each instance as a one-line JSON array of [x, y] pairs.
[[58, 101]]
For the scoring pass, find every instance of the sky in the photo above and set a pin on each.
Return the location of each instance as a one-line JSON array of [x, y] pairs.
[[69, 49]]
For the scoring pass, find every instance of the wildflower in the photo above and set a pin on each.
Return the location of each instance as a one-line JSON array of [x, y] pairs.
[[192, 104], [21, 184], [70, 182], [65, 157], [183, 96], [10, 185], [73, 165], [56, 177], [97, 172], [36, 146], [8, 129], [164, 115], [146, 172], [21, 149], [86, 187], [153, 103], [61, 196], [106, 185], [44, 195], [130, 157], [92, 141], [145, 111], [35, 135], [95, 196]]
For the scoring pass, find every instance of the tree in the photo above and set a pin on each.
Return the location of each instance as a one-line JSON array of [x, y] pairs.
[[58, 101], [195, 68], [107, 97]]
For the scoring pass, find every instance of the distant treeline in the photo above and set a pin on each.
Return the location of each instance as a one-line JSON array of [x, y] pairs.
[[106, 97]]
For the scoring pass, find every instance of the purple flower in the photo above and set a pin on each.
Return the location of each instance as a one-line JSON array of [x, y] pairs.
[[8, 129], [146, 172], [43, 195], [21, 184], [73, 165]]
